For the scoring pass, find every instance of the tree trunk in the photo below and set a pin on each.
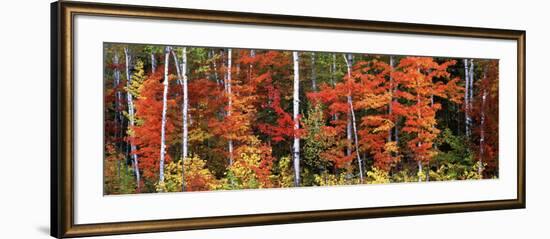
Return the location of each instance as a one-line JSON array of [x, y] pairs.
[[467, 98], [164, 108], [215, 67], [153, 63], [185, 114], [182, 78], [230, 102], [117, 118], [471, 94], [295, 112], [313, 73], [419, 115], [131, 117], [419, 162], [349, 61]]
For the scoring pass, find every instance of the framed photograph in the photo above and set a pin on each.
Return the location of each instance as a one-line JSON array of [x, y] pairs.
[[170, 119]]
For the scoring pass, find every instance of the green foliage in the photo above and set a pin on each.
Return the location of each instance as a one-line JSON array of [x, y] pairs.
[[453, 149], [315, 141], [119, 178]]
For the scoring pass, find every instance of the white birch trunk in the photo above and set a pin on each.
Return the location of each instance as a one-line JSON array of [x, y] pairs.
[[118, 118], [184, 114], [295, 112], [153, 63], [131, 116], [467, 98], [349, 60], [419, 168], [230, 102], [215, 68], [164, 108], [471, 94], [313, 73], [252, 54], [182, 79], [419, 115]]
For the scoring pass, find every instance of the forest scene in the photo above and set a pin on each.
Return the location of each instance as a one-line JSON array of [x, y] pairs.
[[181, 119]]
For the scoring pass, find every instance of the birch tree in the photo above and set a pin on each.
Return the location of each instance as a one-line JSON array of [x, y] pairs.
[[118, 116], [313, 73], [295, 112], [153, 62], [229, 101], [184, 115], [183, 80], [164, 106], [131, 115], [468, 93], [349, 60]]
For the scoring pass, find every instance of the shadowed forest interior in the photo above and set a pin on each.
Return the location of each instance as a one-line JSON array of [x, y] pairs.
[[198, 119]]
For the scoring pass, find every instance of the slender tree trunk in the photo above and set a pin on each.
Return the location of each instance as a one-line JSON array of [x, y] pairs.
[[118, 124], [435, 146], [419, 162], [466, 98], [182, 78], [295, 112], [230, 102], [313, 73], [153, 63], [131, 117], [471, 94], [419, 114], [349, 61], [164, 109], [215, 67], [185, 114], [252, 54]]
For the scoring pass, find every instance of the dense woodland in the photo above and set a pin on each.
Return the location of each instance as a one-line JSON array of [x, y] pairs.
[[196, 119]]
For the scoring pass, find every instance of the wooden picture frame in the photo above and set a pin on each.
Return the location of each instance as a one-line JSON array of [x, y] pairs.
[[62, 118]]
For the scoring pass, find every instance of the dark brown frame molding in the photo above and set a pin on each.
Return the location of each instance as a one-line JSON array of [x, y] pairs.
[[62, 118]]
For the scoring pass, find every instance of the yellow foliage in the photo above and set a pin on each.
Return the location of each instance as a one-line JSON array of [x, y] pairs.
[[251, 167], [198, 135], [391, 147], [327, 179], [197, 176], [286, 176], [377, 176]]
